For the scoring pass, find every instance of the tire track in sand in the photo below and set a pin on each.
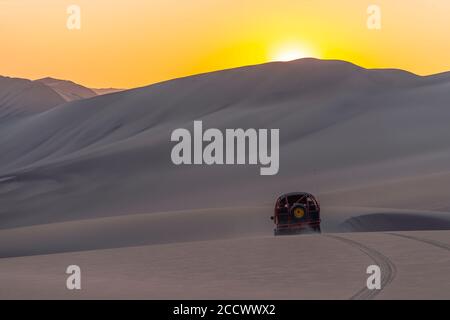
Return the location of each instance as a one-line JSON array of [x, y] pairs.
[[387, 267], [434, 243]]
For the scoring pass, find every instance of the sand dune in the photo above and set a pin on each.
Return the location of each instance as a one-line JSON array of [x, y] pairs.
[[342, 128], [68, 90], [21, 97], [88, 180], [71, 91], [103, 91]]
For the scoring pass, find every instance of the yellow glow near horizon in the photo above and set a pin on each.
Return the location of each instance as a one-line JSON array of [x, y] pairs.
[[291, 52], [290, 55], [131, 43]]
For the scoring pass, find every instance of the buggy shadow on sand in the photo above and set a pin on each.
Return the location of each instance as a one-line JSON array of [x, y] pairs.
[[296, 213]]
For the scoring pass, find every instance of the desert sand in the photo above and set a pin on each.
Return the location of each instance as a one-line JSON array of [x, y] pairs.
[[414, 265], [90, 182]]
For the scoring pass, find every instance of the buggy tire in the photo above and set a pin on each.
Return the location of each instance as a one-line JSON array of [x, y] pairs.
[[283, 232], [317, 229]]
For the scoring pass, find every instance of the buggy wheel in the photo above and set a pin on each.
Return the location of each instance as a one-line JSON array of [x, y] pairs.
[[282, 232]]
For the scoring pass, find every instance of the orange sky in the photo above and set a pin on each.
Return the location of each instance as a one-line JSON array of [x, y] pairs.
[[130, 43]]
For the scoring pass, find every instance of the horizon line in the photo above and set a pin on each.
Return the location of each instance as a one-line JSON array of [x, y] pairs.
[[219, 70]]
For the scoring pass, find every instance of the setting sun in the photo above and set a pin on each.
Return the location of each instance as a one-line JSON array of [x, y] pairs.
[[290, 55], [291, 52]]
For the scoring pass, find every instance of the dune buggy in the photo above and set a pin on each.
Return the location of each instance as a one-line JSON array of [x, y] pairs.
[[296, 212]]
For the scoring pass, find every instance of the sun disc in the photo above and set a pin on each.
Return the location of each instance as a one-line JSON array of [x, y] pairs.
[[290, 52]]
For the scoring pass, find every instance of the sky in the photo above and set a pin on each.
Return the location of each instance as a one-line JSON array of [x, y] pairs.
[[132, 43]]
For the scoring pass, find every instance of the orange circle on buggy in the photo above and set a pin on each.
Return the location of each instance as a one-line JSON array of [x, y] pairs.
[[299, 213]]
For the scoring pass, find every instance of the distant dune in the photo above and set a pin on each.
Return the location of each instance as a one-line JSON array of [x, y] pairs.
[[20, 97], [69, 90], [106, 91]]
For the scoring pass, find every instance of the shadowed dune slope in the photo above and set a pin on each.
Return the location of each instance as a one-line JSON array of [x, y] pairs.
[[68, 90], [21, 97]]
